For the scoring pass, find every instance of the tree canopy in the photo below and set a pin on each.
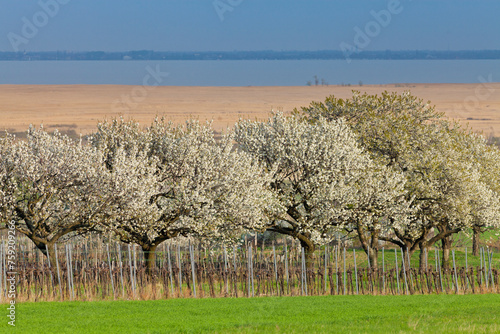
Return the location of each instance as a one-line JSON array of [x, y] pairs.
[[387, 168]]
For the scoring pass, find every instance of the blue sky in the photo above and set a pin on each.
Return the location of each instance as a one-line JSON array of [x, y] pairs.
[[195, 25]]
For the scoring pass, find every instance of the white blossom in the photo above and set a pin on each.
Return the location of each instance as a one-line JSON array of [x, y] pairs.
[[321, 175], [195, 185], [56, 185]]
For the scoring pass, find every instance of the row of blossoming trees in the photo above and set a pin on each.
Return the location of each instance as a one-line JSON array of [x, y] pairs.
[[388, 167]]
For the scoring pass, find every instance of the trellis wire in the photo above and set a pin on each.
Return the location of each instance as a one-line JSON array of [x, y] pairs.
[[265, 273]]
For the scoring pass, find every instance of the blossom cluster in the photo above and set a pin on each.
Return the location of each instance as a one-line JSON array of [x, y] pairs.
[[451, 174]]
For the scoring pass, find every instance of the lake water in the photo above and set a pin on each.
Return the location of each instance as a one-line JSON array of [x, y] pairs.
[[249, 72]]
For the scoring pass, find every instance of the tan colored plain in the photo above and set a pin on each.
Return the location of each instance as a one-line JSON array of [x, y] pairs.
[[80, 107]]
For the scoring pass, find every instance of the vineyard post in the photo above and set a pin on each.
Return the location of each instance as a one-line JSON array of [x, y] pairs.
[[491, 271], [234, 261], [485, 266], [96, 251], [344, 274], [326, 265], [131, 270], [275, 268], [70, 270], [404, 269], [409, 266], [368, 257], [441, 272], [225, 257], [262, 246], [481, 266], [355, 270], [135, 269], [121, 268], [286, 263], [248, 267], [50, 269], [466, 269], [304, 270], [251, 270], [180, 268], [397, 270], [337, 267], [226, 283], [438, 264], [383, 271], [170, 270], [110, 272], [192, 267], [455, 271], [58, 273]]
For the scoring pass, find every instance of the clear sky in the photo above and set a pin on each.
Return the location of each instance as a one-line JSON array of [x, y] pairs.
[[201, 25]]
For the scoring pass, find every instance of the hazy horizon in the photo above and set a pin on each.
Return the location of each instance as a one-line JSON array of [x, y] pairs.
[[256, 50]]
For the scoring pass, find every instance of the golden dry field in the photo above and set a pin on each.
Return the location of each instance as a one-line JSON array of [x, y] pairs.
[[76, 109]]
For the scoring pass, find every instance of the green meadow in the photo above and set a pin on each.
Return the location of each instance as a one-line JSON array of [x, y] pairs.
[[322, 314]]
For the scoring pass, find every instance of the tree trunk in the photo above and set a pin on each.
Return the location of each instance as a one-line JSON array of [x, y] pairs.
[[369, 244], [446, 247], [43, 246], [422, 265], [374, 258], [309, 249], [149, 257], [475, 240]]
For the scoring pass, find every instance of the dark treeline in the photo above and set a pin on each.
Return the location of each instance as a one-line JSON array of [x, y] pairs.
[[250, 55]]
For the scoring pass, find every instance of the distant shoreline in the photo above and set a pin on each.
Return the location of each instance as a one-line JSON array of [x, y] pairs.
[[250, 55]]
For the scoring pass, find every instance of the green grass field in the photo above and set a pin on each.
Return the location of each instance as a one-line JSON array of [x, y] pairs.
[[333, 314]]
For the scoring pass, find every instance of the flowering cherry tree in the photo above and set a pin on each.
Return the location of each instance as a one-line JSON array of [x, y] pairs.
[[381, 207], [457, 196], [321, 176], [443, 184], [481, 204], [55, 184], [195, 185]]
